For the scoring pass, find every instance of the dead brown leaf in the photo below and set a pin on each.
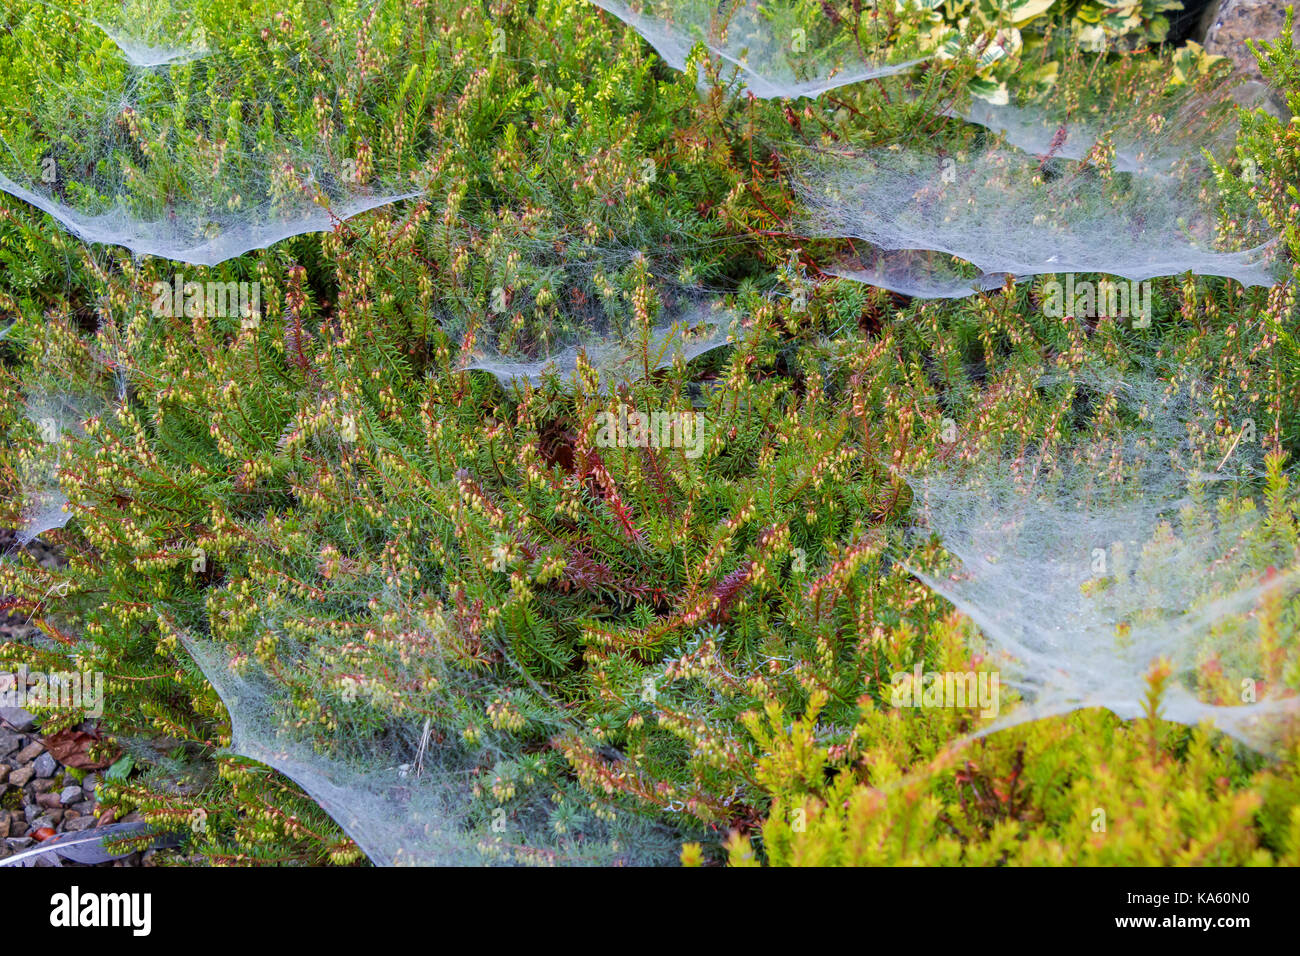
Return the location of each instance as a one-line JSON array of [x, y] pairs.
[[72, 749]]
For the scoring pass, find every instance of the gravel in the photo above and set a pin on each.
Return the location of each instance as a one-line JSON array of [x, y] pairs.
[[35, 790], [45, 766]]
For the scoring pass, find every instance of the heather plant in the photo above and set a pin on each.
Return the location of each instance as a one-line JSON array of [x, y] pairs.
[[356, 596]]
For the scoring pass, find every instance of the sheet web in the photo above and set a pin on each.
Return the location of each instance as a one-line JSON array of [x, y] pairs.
[[1131, 543], [1118, 180], [150, 33], [421, 757], [772, 49], [1006, 212], [192, 161]]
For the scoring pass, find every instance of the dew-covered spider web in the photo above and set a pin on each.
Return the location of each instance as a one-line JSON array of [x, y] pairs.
[[150, 33], [614, 347], [775, 48], [1006, 212], [919, 273], [1121, 183], [57, 416], [1134, 132], [191, 162], [1088, 561], [416, 756]]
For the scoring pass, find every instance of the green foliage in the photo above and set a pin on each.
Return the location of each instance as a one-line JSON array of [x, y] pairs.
[[721, 628], [1083, 791]]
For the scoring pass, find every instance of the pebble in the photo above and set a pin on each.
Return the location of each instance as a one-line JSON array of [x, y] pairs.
[[45, 765], [30, 752], [20, 776], [17, 718], [53, 798]]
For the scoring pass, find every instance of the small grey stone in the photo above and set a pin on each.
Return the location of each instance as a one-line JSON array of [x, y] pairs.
[[83, 806], [31, 752], [4, 773], [20, 776], [17, 718], [69, 796], [9, 743], [77, 824], [45, 765], [19, 843], [89, 783], [41, 822], [31, 811], [1224, 29]]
